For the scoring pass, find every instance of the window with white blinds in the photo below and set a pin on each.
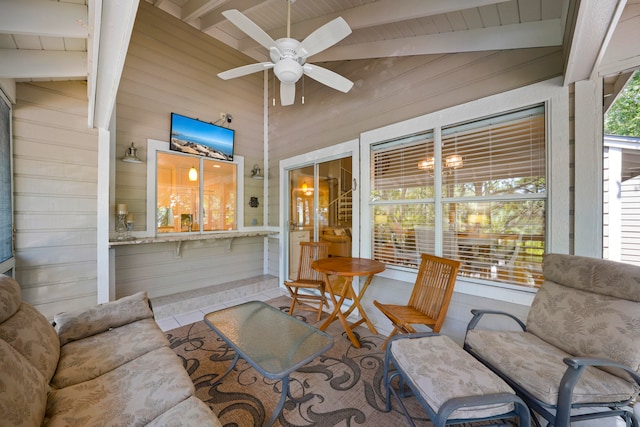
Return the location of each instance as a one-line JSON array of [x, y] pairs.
[[6, 207], [472, 191]]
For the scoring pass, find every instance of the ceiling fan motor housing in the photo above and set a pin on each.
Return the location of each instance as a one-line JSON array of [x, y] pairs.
[[288, 70], [288, 65]]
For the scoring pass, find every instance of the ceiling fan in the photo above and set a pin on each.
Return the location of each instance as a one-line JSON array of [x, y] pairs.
[[289, 56]]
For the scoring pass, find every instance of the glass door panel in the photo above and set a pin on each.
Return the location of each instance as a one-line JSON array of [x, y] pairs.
[[320, 208]]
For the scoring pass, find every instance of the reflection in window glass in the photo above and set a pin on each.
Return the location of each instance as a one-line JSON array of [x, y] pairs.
[[489, 209], [219, 198], [179, 194]]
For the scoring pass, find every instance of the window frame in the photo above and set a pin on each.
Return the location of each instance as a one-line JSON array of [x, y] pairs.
[[154, 146], [8, 266], [554, 96]]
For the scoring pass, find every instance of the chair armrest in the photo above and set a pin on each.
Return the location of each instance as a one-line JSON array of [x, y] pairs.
[[477, 315], [579, 363], [575, 367], [78, 324]]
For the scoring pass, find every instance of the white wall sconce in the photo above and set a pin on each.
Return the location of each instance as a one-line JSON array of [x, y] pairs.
[[256, 172], [131, 155]]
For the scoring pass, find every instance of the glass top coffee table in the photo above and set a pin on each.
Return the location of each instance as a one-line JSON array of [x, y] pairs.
[[271, 341]]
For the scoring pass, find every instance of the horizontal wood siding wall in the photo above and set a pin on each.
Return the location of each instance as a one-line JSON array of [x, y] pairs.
[[55, 175], [390, 90], [172, 67], [159, 270]]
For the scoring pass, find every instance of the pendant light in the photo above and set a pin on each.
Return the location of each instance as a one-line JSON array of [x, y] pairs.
[[193, 174]]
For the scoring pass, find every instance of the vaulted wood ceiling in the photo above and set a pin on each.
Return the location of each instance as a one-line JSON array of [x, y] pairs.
[[84, 39]]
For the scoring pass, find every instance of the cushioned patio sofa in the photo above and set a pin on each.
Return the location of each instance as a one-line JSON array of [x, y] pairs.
[[106, 366], [578, 356]]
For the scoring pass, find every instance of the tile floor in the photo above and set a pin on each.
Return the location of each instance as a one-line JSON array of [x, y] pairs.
[[197, 315]]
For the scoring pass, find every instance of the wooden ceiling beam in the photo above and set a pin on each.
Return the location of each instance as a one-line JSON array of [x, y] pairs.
[[517, 36], [44, 18], [35, 64], [592, 26], [374, 14]]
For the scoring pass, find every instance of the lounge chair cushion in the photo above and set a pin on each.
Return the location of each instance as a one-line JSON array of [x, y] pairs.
[[587, 324], [538, 366], [441, 370]]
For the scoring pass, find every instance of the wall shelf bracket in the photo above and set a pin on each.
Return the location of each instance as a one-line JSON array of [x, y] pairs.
[[229, 241]]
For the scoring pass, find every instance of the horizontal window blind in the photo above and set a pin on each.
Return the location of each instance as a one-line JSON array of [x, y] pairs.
[[493, 197]]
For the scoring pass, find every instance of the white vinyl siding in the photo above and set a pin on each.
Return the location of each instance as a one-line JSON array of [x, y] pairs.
[[55, 195]]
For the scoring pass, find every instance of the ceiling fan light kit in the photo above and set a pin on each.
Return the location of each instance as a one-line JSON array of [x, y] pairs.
[[288, 56]]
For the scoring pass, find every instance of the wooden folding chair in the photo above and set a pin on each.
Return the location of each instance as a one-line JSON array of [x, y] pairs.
[[429, 299], [308, 279]]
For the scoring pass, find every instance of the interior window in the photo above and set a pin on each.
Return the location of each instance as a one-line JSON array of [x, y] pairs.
[[195, 194], [472, 191], [6, 205]]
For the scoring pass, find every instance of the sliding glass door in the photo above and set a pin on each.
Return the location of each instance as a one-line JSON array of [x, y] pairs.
[[321, 191], [320, 208]]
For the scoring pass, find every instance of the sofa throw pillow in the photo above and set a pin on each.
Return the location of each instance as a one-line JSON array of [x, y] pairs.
[[23, 390], [75, 325]]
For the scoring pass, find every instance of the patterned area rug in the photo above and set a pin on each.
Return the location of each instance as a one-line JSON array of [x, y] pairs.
[[342, 387]]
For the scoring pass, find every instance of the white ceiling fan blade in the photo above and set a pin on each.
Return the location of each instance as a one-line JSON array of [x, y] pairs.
[[287, 93], [249, 27], [324, 37], [327, 77], [244, 70]]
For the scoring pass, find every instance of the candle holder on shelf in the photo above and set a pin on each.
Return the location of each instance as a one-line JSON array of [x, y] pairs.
[[130, 226], [121, 226]]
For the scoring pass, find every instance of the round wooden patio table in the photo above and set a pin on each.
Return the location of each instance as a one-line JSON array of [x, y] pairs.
[[347, 268]]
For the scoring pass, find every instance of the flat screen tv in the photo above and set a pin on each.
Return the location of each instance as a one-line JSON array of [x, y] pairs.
[[204, 139]]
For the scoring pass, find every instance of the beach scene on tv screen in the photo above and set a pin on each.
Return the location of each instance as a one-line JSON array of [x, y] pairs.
[[204, 139]]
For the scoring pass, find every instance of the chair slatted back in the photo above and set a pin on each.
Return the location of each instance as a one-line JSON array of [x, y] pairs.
[[434, 287], [311, 251]]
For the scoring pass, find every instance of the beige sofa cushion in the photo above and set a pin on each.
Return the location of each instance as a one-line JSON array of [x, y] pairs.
[[133, 394], [93, 356], [538, 366], [10, 297], [23, 390], [193, 412], [79, 324], [31, 334]]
